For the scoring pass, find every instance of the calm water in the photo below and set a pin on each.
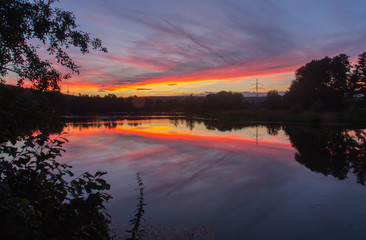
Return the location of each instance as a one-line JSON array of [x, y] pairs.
[[242, 182]]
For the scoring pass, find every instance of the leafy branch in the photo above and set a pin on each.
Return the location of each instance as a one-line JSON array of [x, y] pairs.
[[24, 23], [35, 194]]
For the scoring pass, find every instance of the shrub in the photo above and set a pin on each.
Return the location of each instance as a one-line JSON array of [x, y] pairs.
[[37, 201]]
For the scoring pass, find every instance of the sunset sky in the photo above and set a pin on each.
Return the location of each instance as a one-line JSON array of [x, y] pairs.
[[170, 47]]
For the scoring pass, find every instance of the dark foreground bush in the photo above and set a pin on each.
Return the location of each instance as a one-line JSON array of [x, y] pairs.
[[37, 201]]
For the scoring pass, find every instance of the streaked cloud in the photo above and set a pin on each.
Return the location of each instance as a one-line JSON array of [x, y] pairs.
[[188, 41]]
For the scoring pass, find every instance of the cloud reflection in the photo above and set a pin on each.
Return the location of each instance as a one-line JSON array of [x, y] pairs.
[[223, 179], [167, 149]]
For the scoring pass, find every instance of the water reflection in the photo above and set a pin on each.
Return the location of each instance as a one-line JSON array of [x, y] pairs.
[[335, 151], [246, 181], [330, 151]]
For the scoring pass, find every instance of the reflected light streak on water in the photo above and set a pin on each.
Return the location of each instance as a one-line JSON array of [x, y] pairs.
[[243, 183]]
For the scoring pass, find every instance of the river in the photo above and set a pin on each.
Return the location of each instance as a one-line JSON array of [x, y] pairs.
[[210, 180]]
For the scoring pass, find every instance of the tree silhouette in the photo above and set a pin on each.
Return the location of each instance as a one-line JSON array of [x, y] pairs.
[[358, 82], [26, 24], [321, 84], [36, 201], [223, 101], [190, 104], [273, 100]]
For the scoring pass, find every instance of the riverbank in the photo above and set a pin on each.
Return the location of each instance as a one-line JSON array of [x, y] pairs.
[[350, 117], [355, 118]]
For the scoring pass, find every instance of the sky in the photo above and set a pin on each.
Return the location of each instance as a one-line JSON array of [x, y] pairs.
[[171, 47]]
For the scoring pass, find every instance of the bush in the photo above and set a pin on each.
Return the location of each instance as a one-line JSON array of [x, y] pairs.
[[36, 201]]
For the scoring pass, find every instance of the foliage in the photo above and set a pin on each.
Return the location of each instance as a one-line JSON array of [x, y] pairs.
[[37, 201], [23, 111], [273, 100], [327, 84], [25, 24], [136, 231], [223, 101], [190, 104], [85, 104], [358, 81]]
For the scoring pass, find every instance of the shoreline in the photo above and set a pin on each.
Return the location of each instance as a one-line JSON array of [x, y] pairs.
[[352, 118]]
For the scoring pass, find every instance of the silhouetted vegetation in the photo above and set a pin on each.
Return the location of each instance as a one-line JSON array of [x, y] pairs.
[[22, 111], [109, 104], [328, 84], [26, 24], [273, 100], [39, 198], [136, 231], [36, 200], [223, 101]]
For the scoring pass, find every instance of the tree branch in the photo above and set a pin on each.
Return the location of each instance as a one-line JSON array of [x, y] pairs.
[[11, 70]]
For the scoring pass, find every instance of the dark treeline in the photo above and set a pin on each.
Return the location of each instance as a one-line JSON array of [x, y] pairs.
[[328, 84], [22, 111], [110, 103], [25, 110]]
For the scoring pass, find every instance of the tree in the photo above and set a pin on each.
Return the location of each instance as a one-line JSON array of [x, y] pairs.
[[321, 84], [273, 100], [190, 104], [36, 199], [311, 82], [359, 75], [26, 24], [340, 71], [223, 101]]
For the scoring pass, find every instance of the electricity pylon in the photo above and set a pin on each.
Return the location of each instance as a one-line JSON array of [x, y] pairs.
[[256, 87]]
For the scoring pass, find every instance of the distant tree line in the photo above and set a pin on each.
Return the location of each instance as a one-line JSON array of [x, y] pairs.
[[84, 104], [23, 111], [328, 84]]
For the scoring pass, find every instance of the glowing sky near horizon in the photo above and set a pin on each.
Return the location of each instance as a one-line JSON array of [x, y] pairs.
[[170, 47]]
